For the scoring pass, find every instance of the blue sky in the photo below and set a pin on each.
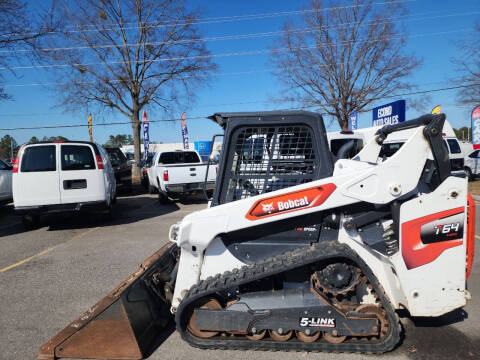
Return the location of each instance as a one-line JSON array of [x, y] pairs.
[[435, 28]]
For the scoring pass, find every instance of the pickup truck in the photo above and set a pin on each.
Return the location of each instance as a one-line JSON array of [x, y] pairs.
[[175, 174]]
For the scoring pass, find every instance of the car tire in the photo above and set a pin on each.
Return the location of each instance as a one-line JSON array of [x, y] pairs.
[[151, 189], [162, 198], [31, 222], [469, 174]]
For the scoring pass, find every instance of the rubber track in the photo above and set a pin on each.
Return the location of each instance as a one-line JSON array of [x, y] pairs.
[[275, 265]]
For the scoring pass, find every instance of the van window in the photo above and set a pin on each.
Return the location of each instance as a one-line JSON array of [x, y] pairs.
[[179, 157], [336, 144], [39, 158], [454, 146], [75, 157], [389, 149]]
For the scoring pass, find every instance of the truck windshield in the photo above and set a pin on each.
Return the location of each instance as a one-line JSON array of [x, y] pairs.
[[336, 144], [178, 157], [39, 158], [389, 149]]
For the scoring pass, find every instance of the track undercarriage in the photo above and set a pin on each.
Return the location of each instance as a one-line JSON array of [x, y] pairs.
[[316, 298]]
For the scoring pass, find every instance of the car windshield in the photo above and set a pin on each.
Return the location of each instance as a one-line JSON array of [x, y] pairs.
[[77, 157], [179, 157], [39, 158], [116, 156]]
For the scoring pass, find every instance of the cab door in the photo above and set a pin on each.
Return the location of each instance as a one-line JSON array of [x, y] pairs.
[[80, 180], [36, 182]]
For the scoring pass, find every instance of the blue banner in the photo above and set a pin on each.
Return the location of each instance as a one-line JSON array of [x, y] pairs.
[[353, 121], [146, 135], [184, 132], [389, 114]]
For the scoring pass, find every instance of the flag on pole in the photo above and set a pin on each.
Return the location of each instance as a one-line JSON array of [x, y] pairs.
[[184, 132], [353, 121], [437, 109], [146, 135], [90, 127], [476, 127]]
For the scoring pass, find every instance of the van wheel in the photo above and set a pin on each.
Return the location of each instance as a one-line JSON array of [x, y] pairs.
[[162, 198], [31, 222], [469, 174]]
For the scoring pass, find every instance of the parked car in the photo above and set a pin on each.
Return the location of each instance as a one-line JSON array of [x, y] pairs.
[[62, 176], [178, 173], [121, 167], [472, 164], [5, 182]]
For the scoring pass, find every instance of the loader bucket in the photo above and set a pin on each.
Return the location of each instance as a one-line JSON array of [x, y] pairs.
[[127, 322]]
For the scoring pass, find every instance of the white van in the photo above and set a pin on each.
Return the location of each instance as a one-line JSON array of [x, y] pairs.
[[61, 176]]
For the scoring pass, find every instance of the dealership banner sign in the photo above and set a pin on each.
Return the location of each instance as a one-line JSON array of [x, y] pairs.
[[184, 132], [389, 114], [476, 127], [437, 109], [353, 121], [146, 135]]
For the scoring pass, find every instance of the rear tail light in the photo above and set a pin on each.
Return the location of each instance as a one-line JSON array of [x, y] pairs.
[[15, 165], [216, 169], [165, 175], [99, 162]]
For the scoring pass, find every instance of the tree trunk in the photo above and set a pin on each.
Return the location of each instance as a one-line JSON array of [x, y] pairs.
[[136, 170]]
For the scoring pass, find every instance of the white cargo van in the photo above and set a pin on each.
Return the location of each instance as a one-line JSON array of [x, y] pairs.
[[61, 176]]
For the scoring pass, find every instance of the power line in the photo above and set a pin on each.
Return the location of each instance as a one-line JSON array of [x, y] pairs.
[[248, 36], [205, 116], [226, 18], [207, 105], [238, 53]]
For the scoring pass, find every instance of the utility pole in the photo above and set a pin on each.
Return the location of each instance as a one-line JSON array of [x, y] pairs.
[[11, 148]]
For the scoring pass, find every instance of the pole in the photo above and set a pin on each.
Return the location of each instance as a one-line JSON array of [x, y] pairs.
[[11, 148]]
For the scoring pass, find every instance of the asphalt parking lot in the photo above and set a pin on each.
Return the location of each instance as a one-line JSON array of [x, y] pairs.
[[51, 275]]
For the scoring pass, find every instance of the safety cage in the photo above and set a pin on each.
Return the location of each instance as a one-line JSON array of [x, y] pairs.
[[267, 153]]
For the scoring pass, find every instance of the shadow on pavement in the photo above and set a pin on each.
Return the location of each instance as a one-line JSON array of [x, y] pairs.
[[436, 338], [127, 210]]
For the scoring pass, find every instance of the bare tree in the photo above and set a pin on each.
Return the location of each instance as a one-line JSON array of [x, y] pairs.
[[343, 58], [124, 55], [17, 30], [469, 70]]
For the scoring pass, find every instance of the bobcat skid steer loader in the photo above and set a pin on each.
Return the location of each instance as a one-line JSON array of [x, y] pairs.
[[297, 250]]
